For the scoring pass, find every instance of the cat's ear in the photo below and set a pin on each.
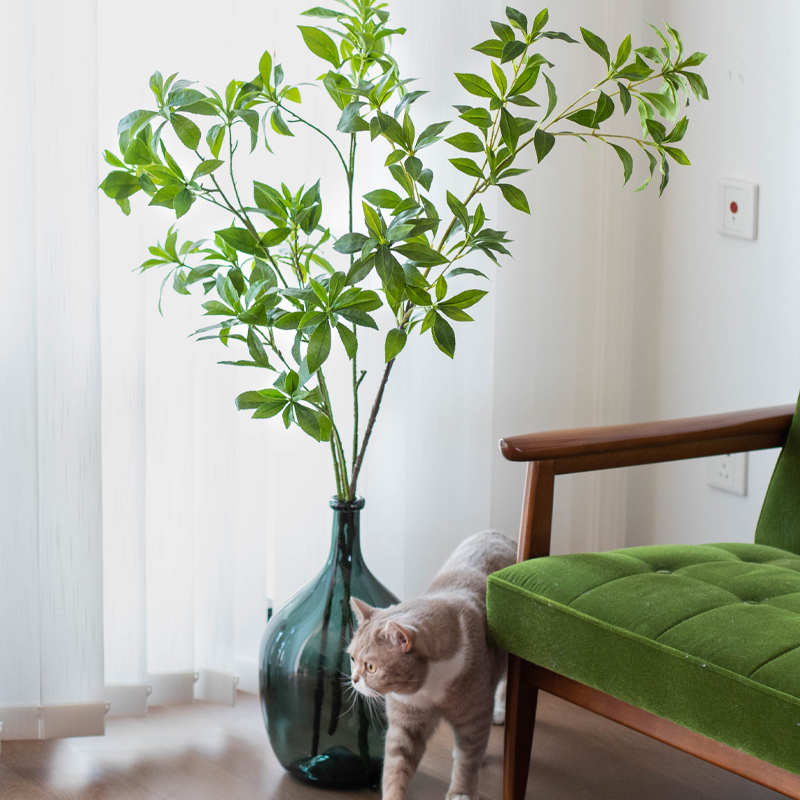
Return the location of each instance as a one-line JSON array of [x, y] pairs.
[[361, 609], [400, 636]]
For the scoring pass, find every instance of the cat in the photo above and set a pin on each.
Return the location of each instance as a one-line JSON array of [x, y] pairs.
[[431, 659]]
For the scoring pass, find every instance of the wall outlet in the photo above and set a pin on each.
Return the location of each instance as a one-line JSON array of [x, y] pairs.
[[728, 472]]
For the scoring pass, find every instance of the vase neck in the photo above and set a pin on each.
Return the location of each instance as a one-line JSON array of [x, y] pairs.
[[346, 531]]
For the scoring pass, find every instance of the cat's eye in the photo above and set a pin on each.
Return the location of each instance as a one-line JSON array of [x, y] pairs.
[[371, 669]]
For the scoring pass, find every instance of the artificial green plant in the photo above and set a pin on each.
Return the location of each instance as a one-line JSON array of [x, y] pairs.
[[280, 282]]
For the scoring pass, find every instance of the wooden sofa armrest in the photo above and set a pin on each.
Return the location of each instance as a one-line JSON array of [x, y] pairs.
[[580, 450], [584, 449]]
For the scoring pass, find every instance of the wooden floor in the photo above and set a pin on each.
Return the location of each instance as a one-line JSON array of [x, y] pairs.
[[206, 752]]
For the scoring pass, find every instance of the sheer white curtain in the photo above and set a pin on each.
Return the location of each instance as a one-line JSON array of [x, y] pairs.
[[51, 622]]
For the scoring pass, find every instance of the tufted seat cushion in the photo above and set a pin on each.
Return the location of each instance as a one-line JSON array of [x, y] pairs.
[[707, 636]]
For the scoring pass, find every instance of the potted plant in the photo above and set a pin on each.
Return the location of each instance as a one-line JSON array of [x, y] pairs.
[[286, 289]]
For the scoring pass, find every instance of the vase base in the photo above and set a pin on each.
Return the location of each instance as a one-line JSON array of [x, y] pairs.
[[338, 768]]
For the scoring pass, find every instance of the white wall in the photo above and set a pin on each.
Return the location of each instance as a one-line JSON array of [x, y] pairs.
[[716, 325]]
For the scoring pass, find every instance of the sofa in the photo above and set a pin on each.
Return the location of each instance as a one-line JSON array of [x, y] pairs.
[[695, 645]]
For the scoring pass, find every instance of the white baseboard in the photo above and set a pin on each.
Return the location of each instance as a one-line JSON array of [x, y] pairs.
[[127, 699], [171, 688], [54, 721], [217, 687], [20, 722]]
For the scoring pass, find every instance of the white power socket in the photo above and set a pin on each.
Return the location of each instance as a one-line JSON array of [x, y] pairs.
[[728, 472]]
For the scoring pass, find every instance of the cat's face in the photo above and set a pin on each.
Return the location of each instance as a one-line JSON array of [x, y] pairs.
[[384, 656]]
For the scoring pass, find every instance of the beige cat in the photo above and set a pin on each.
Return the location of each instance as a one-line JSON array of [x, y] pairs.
[[430, 658]]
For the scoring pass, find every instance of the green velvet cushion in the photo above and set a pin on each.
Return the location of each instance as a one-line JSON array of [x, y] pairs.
[[779, 523], [705, 635]]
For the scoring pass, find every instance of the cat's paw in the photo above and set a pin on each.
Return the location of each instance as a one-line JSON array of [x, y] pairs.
[[460, 797], [499, 715]]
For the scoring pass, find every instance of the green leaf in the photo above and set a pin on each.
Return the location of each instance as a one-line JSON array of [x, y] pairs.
[[135, 121], [319, 347], [206, 168], [274, 403], [241, 239], [183, 202], [459, 210], [466, 299], [653, 163], [623, 52], [604, 109], [421, 253], [662, 103], [349, 340], [215, 308], [430, 134], [468, 142], [395, 342], [543, 142], [499, 78], [694, 60], [265, 69], [512, 50], [186, 130], [596, 44], [320, 44], [479, 117], [383, 198], [372, 220], [517, 19], [526, 80], [552, 97], [314, 423], [697, 83], [491, 47], [467, 166], [541, 20], [474, 84], [627, 161], [624, 97], [138, 152], [118, 185], [350, 243], [515, 197], [256, 348], [444, 335], [583, 117], [503, 31], [679, 156], [351, 120], [324, 13], [509, 130], [166, 195], [279, 124]]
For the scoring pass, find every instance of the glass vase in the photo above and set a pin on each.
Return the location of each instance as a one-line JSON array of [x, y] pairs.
[[320, 729]]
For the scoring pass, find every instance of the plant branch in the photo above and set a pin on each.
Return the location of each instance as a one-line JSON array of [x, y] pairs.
[[370, 425]]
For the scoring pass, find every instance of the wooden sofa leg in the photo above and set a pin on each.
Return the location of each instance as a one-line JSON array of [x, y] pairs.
[[520, 718]]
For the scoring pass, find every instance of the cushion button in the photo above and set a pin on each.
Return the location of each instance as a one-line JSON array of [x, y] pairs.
[[665, 571], [750, 602]]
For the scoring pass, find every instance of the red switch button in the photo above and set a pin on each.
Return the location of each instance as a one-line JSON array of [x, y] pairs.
[[734, 207]]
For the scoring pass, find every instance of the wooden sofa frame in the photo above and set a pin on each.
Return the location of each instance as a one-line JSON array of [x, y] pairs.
[[562, 452]]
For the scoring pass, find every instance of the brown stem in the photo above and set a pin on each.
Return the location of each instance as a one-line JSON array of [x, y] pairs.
[[375, 408]]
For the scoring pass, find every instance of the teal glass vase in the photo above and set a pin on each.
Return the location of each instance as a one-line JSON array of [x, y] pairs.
[[321, 730]]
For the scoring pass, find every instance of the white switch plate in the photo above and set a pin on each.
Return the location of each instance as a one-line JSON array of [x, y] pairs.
[[737, 208], [728, 472]]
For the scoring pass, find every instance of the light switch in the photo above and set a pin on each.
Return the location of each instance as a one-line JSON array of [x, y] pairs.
[[737, 208]]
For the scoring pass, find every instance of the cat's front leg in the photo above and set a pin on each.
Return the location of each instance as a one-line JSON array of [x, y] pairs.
[[408, 734], [472, 738]]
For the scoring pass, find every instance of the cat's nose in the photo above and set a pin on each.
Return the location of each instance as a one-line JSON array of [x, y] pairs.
[[355, 678]]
